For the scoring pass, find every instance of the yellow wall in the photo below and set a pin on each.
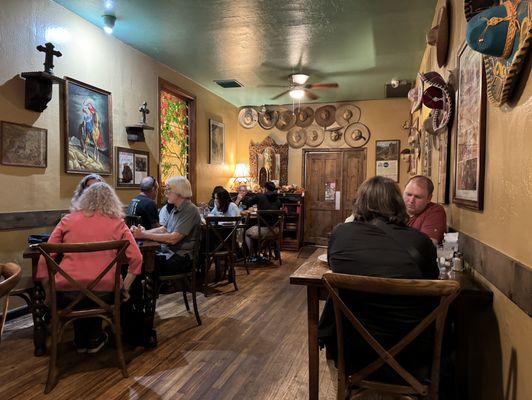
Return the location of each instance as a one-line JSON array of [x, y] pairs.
[[506, 220], [101, 60], [384, 118]]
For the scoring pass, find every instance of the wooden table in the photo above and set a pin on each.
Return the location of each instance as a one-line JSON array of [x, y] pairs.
[[310, 273], [146, 301]]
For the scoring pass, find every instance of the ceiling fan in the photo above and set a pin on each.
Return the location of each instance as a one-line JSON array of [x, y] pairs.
[[298, 87]]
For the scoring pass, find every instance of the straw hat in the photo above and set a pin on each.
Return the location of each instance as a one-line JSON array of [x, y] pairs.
[[286, 120], [356, 134], [315, 136], [347, 114], [247, 117], [296, 137], [325, 115], [268, 119], [304, 116], [439, 36]]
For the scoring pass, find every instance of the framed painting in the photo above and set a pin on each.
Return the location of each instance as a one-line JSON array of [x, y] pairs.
[[131, 167], [88, 131], [216, 142], [387, 158], [23, 145], [470, 131]]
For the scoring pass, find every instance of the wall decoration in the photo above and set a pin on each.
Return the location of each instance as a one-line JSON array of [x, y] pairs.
[[216, 142], [315, 136], [470, 131], [131, 167], [248, 117], [356, 134], [296, 137], [444, 160], [88, 132], [387, 158], [330, 191], [23, 145], [269, 159]]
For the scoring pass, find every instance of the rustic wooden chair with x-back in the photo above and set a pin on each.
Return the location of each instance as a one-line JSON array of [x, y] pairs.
[[361, 381], [60, 318], [270, 225], [132, 220], [10, 275], [220, 248]]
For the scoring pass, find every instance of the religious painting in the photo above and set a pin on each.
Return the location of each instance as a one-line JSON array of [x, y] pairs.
[[23, 145], [216, 142], [131, 167], [88, 132], [387, 158], [330, 191], [470, 131], [268, 161]]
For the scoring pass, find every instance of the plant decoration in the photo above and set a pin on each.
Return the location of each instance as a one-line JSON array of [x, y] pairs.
[[291, 189], [174, 136]]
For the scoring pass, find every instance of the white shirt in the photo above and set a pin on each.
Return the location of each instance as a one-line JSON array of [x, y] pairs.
[[232, 211]]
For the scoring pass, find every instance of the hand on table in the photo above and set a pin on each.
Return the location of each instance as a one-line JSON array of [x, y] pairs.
[[137, 231]]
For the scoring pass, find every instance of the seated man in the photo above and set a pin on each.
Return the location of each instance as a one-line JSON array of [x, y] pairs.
[[180, 231], [144, 204], [425, 216]]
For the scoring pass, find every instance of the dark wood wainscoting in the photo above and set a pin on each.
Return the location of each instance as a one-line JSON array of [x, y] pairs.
[[29, 219]]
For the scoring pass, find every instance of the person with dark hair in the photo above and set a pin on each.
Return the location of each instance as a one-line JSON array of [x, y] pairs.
[[424, 215], [83, 184], [380, 244], [223, 206], [214, 191], [144, 204]]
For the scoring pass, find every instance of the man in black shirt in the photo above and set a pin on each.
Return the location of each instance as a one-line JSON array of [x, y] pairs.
[[144, 204]]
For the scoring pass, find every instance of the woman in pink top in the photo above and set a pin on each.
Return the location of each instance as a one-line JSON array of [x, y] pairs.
[[96, 217]]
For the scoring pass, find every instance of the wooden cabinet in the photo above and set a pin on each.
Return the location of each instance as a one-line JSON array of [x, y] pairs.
[[293, 205]]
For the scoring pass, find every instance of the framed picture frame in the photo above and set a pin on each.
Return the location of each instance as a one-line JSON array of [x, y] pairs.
[[216, 142], [88, 129], [131, 167], [470, 131], [387, 158], [23, 145]]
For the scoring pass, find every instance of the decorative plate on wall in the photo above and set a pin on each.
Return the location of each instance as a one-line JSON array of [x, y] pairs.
[[248, 117]]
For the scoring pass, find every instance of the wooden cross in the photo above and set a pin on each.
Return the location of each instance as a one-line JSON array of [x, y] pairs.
[[48, 49], [144, 110]]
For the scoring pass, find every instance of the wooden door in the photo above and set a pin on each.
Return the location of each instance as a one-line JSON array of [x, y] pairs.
[[331, 180]]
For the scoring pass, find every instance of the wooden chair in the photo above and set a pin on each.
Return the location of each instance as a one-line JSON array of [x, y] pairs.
[[61, 318], [270, 225], [187, 279], [11, 273], [132, 220], [445, 290], [220, 247]]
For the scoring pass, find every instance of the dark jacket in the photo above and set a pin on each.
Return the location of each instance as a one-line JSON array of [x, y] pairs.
[[265, 201]]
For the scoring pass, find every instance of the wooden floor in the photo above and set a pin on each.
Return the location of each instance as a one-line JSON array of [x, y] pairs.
[[252, 345]]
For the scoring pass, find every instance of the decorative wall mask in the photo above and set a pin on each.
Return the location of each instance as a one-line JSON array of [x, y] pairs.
[[347, 114], [315, 136], [248, 117], [268, 119], [304, 116], [296, 137], [356, 134], [325, 115], [269, 160]]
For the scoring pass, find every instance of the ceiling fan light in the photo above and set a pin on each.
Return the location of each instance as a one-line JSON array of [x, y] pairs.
[[299, 79], [297, 94]]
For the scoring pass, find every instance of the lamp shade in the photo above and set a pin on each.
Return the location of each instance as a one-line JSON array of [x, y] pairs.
[[241, 172]]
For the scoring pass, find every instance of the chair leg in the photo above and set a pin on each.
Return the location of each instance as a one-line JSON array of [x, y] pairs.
[[185, 298], [205, 273], [231, 273], [52, 379], [119, 347], [194, 301]]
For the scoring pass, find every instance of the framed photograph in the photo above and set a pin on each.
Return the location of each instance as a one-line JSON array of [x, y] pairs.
[[23, 145], [216, 142], [88, 131], [131, 167], [470, 131], [387, 158]]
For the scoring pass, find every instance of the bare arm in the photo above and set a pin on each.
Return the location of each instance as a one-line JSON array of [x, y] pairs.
[[159, 234]]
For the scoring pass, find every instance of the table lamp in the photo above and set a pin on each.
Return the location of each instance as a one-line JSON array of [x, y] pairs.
[[241, 176]]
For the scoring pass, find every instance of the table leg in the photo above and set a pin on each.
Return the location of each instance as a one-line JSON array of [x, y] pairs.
[[39, 310], [313, 350]]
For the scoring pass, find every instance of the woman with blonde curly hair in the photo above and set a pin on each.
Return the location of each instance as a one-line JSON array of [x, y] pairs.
[[96, 216]]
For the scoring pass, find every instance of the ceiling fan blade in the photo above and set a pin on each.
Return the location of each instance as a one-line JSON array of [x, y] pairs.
[[280, 94], [310, 95], [272, 86], [321, 85]]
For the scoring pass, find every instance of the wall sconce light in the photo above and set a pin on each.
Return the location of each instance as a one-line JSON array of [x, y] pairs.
[[108, 23]]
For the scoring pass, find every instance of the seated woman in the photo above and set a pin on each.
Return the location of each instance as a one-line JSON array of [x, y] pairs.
[[179, 231], [211, 203], [96, 216], [223, 206], [377, 244], [85, 182]]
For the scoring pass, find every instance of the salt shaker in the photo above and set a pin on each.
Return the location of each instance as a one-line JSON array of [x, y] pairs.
[[458, 262]]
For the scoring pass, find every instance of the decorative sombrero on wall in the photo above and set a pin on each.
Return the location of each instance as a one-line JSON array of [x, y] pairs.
[[286, 121], [473, 7], [439, 36], [356, 134], [248, 117], [503, 34], [296, 137], [347, 114], [437, 96], [324, 116], [268, 119], [315, 136], [304, 116]]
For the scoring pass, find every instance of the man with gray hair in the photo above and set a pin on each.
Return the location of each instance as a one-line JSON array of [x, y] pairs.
[[144, 204]]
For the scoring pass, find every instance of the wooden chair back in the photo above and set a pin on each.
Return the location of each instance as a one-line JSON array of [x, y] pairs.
[[132, 220], [11, 274], [273, 221], [220, 235], [445, 290]]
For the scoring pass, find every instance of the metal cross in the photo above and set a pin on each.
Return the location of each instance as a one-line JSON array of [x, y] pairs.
[[144, 110], [48, 49]]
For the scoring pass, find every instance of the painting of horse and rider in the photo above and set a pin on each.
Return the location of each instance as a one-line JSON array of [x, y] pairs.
[[89, 130]]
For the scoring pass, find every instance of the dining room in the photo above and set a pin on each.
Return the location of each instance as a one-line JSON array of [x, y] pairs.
[[285, 199]]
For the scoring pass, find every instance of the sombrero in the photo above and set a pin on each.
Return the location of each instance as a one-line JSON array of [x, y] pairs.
[[268, 118], [304, 116], [248, 117], [356, 134], [503, 34], [428, 126], [346, 114], [324, 116], [439, 36], [315, 136], [473, 7], [296, 137], [286, 120], [414, 95], [437, 97]]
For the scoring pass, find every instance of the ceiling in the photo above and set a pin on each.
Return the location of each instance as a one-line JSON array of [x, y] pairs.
[[361, 44]]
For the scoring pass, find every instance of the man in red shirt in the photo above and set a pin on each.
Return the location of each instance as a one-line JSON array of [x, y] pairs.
[[425, 216]]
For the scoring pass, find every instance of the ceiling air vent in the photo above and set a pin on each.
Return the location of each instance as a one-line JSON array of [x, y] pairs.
[[228, 83], [399, 89]]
